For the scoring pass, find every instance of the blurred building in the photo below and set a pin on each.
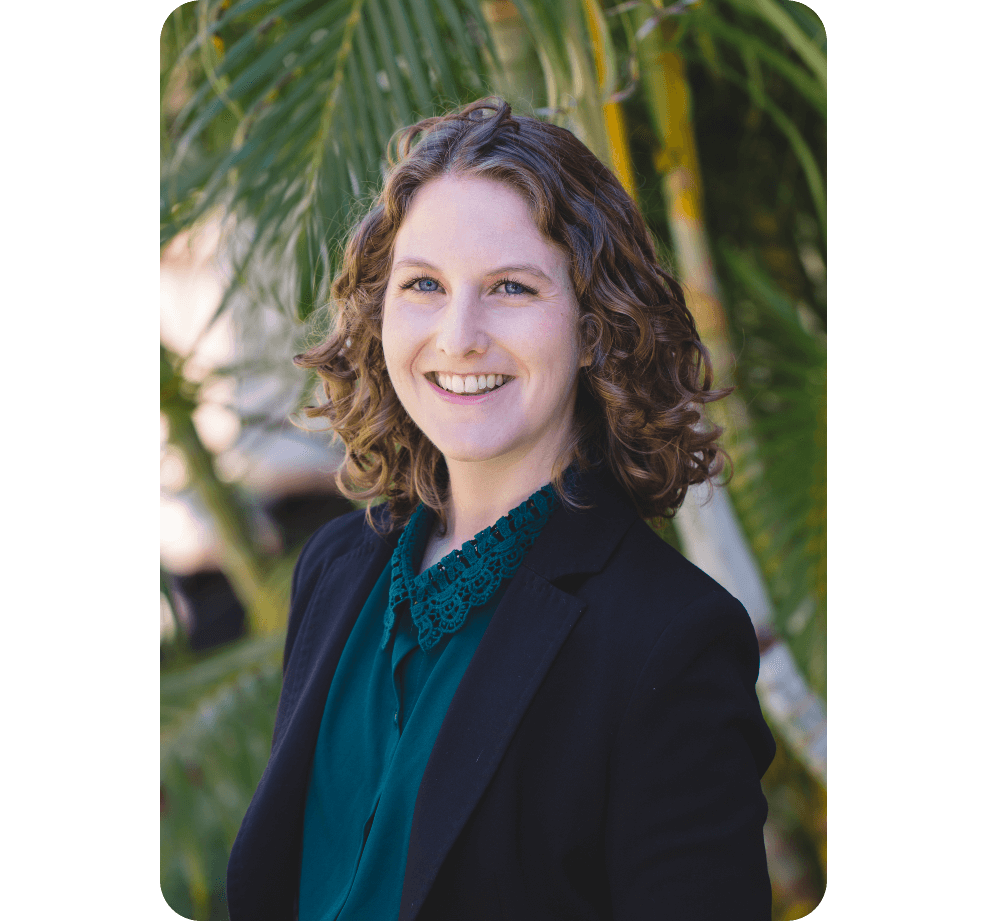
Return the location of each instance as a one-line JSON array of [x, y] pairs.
[[250, 392]]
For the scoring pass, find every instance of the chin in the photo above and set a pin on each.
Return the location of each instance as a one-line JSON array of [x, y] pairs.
[[470, 453]]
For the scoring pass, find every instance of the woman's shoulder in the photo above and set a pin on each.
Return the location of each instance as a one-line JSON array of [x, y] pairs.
[[653, 620], [345, 534], [696, 613], [605, 546], [653, 595], [648, 559]]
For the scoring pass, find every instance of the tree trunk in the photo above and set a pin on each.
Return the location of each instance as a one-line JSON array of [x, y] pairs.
[[242, 562]]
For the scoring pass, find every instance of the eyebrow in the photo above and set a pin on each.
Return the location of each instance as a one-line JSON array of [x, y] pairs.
[[527, 267]]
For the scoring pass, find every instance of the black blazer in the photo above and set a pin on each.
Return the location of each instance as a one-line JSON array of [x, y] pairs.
[[601, 757]]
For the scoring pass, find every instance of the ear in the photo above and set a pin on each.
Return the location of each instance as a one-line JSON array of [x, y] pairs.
[[587, 327]]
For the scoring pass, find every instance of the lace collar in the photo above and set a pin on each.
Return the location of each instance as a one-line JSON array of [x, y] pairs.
[[441, 596]]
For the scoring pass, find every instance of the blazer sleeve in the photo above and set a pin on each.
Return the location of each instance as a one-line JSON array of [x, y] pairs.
[[331, 540], [302, 582], [684, 827]]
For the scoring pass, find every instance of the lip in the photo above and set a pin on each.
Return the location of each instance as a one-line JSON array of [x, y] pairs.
[[467, 399]]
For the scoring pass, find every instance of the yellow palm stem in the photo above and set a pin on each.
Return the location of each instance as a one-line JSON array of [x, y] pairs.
[[612, 114], [666, 88]]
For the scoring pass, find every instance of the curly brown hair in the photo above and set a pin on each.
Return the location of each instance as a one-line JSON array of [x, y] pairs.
[[637, 408]]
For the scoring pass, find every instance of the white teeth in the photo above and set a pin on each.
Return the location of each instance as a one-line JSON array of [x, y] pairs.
[[469, 383]]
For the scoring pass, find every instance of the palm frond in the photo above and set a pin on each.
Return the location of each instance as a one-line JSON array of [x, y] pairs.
[[780, 481], [710, 21], [217, 725], [808, 46], [288, 125]]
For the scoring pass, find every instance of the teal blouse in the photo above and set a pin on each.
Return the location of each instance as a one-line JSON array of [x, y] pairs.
[[386, 704]]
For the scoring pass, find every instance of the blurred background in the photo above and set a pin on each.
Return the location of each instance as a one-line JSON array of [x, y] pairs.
[[275, 118]]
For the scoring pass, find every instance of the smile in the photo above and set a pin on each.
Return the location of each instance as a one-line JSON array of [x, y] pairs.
[[468, 383], [449, 396]]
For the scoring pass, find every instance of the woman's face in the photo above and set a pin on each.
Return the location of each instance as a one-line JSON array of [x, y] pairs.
[[480, 326]]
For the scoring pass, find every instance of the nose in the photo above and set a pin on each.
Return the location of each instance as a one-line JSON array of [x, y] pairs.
[[460, 330]]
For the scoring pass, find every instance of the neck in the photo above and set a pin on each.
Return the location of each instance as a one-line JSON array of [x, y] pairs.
[[482, 493]]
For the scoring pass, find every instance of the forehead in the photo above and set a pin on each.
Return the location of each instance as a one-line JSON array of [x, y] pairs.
[[461, 218]]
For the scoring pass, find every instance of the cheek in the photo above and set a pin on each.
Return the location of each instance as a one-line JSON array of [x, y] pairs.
[[401, 344], [559, 344], [391, 338]]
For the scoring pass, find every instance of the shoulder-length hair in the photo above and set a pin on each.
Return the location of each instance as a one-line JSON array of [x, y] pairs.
[[637, 408]]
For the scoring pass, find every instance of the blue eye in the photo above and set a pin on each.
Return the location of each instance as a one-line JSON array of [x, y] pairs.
[[427, 285], [424, 284], [513, 288]]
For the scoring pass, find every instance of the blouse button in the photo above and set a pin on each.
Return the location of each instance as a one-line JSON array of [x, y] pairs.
[[396, 717]]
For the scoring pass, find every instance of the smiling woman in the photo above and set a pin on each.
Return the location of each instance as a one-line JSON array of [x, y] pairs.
[[555, 221], [504, 696], [479, 314]]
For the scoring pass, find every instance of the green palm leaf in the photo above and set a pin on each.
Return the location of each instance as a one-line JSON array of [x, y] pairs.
[[780, 486], [288, 124], [217, 722]]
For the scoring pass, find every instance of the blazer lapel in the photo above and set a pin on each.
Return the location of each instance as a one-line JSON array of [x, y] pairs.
[[532, 622]]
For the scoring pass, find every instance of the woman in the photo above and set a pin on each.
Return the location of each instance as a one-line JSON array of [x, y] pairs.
[[504, 696]]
